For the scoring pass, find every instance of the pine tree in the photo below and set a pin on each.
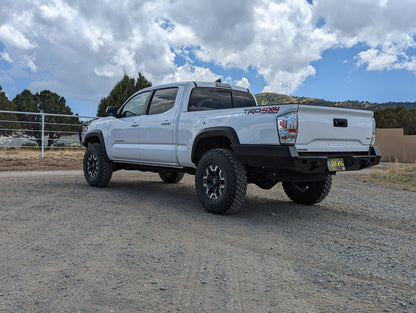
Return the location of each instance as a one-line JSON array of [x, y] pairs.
[[46, 102], [121, 92]]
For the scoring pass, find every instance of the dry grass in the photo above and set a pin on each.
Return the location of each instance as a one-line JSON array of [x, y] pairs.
[[31, 160], [401, 175]]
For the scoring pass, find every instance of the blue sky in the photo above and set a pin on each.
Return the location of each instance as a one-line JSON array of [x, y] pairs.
[[338, 78], [328, 49]]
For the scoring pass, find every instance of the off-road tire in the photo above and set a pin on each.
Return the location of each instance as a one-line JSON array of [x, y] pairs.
[[308, 192], [171, 177], [220, 182], [98, 169]]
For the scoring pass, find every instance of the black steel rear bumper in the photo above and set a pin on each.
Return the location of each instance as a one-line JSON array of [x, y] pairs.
[[288, 158]]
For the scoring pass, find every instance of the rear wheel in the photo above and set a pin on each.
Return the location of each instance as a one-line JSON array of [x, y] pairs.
[[220, 182], [308, 192], [171, 177], [98, 169]]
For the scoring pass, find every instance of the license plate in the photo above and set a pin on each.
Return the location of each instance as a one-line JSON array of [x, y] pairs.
[[335, 165]]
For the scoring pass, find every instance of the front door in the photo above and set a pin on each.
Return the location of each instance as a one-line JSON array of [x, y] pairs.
[[124, 131]]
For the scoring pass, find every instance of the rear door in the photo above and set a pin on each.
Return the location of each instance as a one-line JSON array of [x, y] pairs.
[[157, 128]]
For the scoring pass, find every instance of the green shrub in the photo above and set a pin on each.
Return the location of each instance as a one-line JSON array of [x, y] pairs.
[[29, 145], [61, 144]]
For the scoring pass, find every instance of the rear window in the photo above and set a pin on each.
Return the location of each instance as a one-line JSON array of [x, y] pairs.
[[203, 98], [243, 99], [209, 99]]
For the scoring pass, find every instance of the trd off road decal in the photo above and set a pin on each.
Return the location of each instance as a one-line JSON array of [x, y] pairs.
[[262, 110]]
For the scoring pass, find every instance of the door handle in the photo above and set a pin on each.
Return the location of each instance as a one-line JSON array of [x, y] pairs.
[[134, 125], [166, 123]]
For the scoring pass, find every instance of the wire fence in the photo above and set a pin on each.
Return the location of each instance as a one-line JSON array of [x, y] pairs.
[[42, 131]]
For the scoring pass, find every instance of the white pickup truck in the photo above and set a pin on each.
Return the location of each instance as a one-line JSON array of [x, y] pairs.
[[218, 133]]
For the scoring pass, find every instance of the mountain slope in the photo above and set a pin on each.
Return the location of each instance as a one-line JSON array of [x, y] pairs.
[[267, 98]]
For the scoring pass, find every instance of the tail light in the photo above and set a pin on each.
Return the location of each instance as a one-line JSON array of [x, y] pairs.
[[373, 136], [287, 127]]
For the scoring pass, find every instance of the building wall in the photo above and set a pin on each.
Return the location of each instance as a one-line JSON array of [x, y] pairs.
[[394, 146]]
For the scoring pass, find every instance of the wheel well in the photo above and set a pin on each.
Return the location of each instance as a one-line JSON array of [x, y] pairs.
[[207, 144], [91, 140], [95, 137]]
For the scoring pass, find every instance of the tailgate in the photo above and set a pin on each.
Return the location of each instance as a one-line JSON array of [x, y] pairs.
[[328, 129]]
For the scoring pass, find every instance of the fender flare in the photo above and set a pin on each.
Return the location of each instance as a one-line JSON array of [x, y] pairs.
[[227, 132], [98, 134]]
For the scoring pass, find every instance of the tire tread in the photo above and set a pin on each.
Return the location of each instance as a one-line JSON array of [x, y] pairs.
[[105, 171], [235, 197]]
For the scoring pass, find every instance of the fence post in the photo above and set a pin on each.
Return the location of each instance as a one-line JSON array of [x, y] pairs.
[[43, 131]]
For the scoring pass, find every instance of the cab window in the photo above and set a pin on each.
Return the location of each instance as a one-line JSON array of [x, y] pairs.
[[209, 98], [203, 98], [163, 100], [135, 106], [243, 99]]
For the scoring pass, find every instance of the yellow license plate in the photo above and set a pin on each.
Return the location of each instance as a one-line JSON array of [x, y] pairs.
[[335, 165]]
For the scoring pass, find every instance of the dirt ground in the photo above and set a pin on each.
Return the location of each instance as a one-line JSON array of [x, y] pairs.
[[31, 160], [140, 245]]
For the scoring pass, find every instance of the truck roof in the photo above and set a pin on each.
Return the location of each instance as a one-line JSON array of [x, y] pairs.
[[198, 84]]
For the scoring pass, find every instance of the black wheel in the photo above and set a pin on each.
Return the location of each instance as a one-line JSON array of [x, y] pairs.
[[98, 169], [221, 182], [308, 192], [171, 177]]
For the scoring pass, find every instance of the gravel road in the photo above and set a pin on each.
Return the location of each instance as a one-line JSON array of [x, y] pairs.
[[143, 246]]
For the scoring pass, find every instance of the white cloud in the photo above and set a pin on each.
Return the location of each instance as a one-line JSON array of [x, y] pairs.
[[57, 10], [275, 38], [29, 61], [106, 71], [288, 81], [387, 27], [191, 73], [376, 60], [6, 57], [82, 48], [408, 65], [243, 82], [11, 36]]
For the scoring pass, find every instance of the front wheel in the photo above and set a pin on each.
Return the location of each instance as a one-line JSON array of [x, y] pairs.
[[98, 169], [220, 181], [308, 192]]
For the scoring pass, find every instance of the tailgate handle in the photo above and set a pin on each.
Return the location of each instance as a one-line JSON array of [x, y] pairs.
[[340, 122]]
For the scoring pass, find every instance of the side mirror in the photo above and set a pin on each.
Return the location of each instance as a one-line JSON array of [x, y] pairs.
[[111, 111]]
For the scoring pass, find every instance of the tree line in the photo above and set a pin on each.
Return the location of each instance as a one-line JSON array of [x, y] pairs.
[[268, 98], [30, 126], [46, 101], [398, 117]]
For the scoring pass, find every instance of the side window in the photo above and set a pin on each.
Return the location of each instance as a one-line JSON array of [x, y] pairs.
[[135, 106], [163, 100], [209, 99], [243, 99]]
